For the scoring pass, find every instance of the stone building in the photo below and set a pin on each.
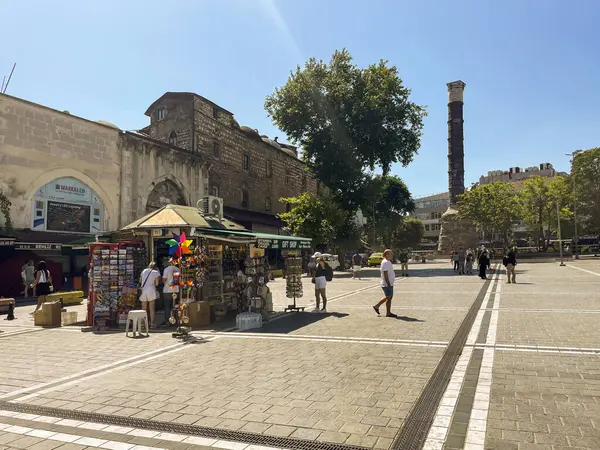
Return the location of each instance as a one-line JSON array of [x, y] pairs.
[[519, 174], [249, 171], [430, 209]]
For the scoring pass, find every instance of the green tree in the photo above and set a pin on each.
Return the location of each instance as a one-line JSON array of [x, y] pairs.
[[5, 205], [586, 173], [349, 122], [408, 234], [493, 209]]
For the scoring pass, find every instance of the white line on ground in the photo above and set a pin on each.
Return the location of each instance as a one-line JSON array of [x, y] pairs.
[[125, 432], [443, 416], [348, 340], [583, 270], [479, 412], [113, 368]]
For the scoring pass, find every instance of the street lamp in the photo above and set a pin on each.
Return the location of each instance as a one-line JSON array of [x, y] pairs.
[[562, 263]]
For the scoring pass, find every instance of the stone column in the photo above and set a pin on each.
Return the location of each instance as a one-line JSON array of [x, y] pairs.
[[455, 233], [456, 149]]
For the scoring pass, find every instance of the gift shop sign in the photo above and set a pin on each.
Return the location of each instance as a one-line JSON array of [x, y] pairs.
[[31, 246]]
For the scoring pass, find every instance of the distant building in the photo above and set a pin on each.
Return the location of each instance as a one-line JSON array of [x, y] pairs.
[[519, 174], [430, 209]]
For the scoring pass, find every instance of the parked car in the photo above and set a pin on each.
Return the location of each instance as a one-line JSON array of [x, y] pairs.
[[375, 259], [332, 260]]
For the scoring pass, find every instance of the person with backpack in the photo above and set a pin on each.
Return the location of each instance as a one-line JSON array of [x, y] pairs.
[[510, 261], [356, 265], [42, 286], [484, 264], [323, 274]]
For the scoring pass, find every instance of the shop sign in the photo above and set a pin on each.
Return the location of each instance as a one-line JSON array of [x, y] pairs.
[[7, 242], [31, 246], [283, 244]]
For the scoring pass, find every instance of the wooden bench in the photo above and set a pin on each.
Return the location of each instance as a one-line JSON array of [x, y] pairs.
[[69, 298], [5, 304]]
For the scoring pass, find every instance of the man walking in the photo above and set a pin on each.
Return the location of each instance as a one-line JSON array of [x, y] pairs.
[[356, 264], [510, 261], [461, 261], [455, 260], [404, 263], [387, 283]]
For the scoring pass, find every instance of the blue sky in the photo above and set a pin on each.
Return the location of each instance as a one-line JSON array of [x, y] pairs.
[[531, 66]]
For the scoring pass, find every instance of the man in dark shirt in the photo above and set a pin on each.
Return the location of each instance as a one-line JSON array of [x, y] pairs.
[[356, 264], [404, 263], [510, 261]]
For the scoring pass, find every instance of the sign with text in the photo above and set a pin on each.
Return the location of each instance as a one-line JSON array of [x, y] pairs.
[[32, 246], [283, 243], [68, 217]]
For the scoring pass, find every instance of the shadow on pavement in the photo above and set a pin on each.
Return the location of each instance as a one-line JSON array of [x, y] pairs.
[[296, 321], [408, 319]]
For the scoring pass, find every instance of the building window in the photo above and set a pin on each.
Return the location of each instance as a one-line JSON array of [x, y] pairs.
[[173, 138], [267, 204], [215, 112], [214, 190], [426, 227], [161, 113], [269, 169], [216, 149], [246, 162], [245, 198], [304, 183]]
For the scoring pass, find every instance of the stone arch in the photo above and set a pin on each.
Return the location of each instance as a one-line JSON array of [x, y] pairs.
[[110, 213], [166, 190]]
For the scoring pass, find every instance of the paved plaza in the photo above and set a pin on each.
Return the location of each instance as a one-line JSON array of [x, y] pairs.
[[468, 364]]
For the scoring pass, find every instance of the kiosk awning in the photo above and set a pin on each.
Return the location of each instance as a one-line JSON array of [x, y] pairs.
[[266, 241]]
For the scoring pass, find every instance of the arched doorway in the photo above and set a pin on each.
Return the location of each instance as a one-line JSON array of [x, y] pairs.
[[164, 193]]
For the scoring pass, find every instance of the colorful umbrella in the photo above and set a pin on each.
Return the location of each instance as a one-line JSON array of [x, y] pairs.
[[180, 245]]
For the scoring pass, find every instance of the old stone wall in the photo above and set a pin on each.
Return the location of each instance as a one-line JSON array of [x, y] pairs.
[[271, 172], [39, 144]]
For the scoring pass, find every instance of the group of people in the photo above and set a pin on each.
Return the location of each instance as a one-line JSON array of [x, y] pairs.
[[463, 262], [150, 280], [321, 272]]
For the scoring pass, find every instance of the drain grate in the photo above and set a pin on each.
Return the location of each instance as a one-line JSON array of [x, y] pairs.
[[413, 434], [179, 428]]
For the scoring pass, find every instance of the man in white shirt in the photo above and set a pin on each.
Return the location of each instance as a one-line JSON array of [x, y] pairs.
[[387, 283], [148, 282], [169, 288]]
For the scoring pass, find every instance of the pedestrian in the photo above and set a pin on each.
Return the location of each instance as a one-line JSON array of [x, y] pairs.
[[356, 265], [387, 283], [312, 267], [469, 263], [42, 286], [455, 259], [323, 271], [170, 287], [462, 257], [510, 262], [28, 276], [403, 263], [484, 263], [149, 279]]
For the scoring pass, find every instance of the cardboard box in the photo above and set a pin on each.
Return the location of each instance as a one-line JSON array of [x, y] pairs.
[[199, 313], [49, 315]]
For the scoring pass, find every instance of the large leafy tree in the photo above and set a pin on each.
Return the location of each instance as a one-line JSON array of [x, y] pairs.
[[586, 179], [492, 208], [543, 200], [408, 234], [350, 121]]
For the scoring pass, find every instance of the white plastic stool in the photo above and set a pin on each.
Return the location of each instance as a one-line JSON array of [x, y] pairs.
[[137, 317]]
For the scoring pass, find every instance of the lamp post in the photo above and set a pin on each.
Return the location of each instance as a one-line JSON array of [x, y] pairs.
[[562, 263]]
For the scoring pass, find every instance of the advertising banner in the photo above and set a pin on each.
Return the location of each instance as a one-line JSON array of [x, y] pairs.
[[68, 217]]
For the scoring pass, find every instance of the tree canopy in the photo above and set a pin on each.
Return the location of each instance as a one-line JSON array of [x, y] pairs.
[[350, 121], [408, 234], [586, 181]]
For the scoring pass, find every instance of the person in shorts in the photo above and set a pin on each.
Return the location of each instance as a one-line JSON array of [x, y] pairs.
[[169, 289], [387, 283], [404, 263], [356, 265], [148, 281]]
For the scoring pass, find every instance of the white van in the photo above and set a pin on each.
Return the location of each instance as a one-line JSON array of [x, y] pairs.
[[332, 260]]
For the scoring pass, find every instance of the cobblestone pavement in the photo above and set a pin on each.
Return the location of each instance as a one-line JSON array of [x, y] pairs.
[[526, 374]]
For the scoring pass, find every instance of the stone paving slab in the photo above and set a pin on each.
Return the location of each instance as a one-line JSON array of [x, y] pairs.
[[343, 392]]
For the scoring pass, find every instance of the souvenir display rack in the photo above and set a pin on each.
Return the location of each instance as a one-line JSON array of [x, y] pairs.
[[115, 273], [293, 287]]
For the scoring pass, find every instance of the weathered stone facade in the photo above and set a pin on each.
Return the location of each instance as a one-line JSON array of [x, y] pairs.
[[250, 172], [40, 144]]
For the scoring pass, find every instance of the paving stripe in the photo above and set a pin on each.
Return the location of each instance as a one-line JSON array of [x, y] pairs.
[[165, 431], [97, 373], [5, 334], [348, 340], [68, 438], [447, 419], [583, 270], [418, 430]]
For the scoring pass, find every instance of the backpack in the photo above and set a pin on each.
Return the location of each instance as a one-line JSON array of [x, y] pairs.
[[329, 274], [505, 260]]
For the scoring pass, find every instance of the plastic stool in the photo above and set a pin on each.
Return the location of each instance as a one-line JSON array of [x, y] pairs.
[[137, 317]]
